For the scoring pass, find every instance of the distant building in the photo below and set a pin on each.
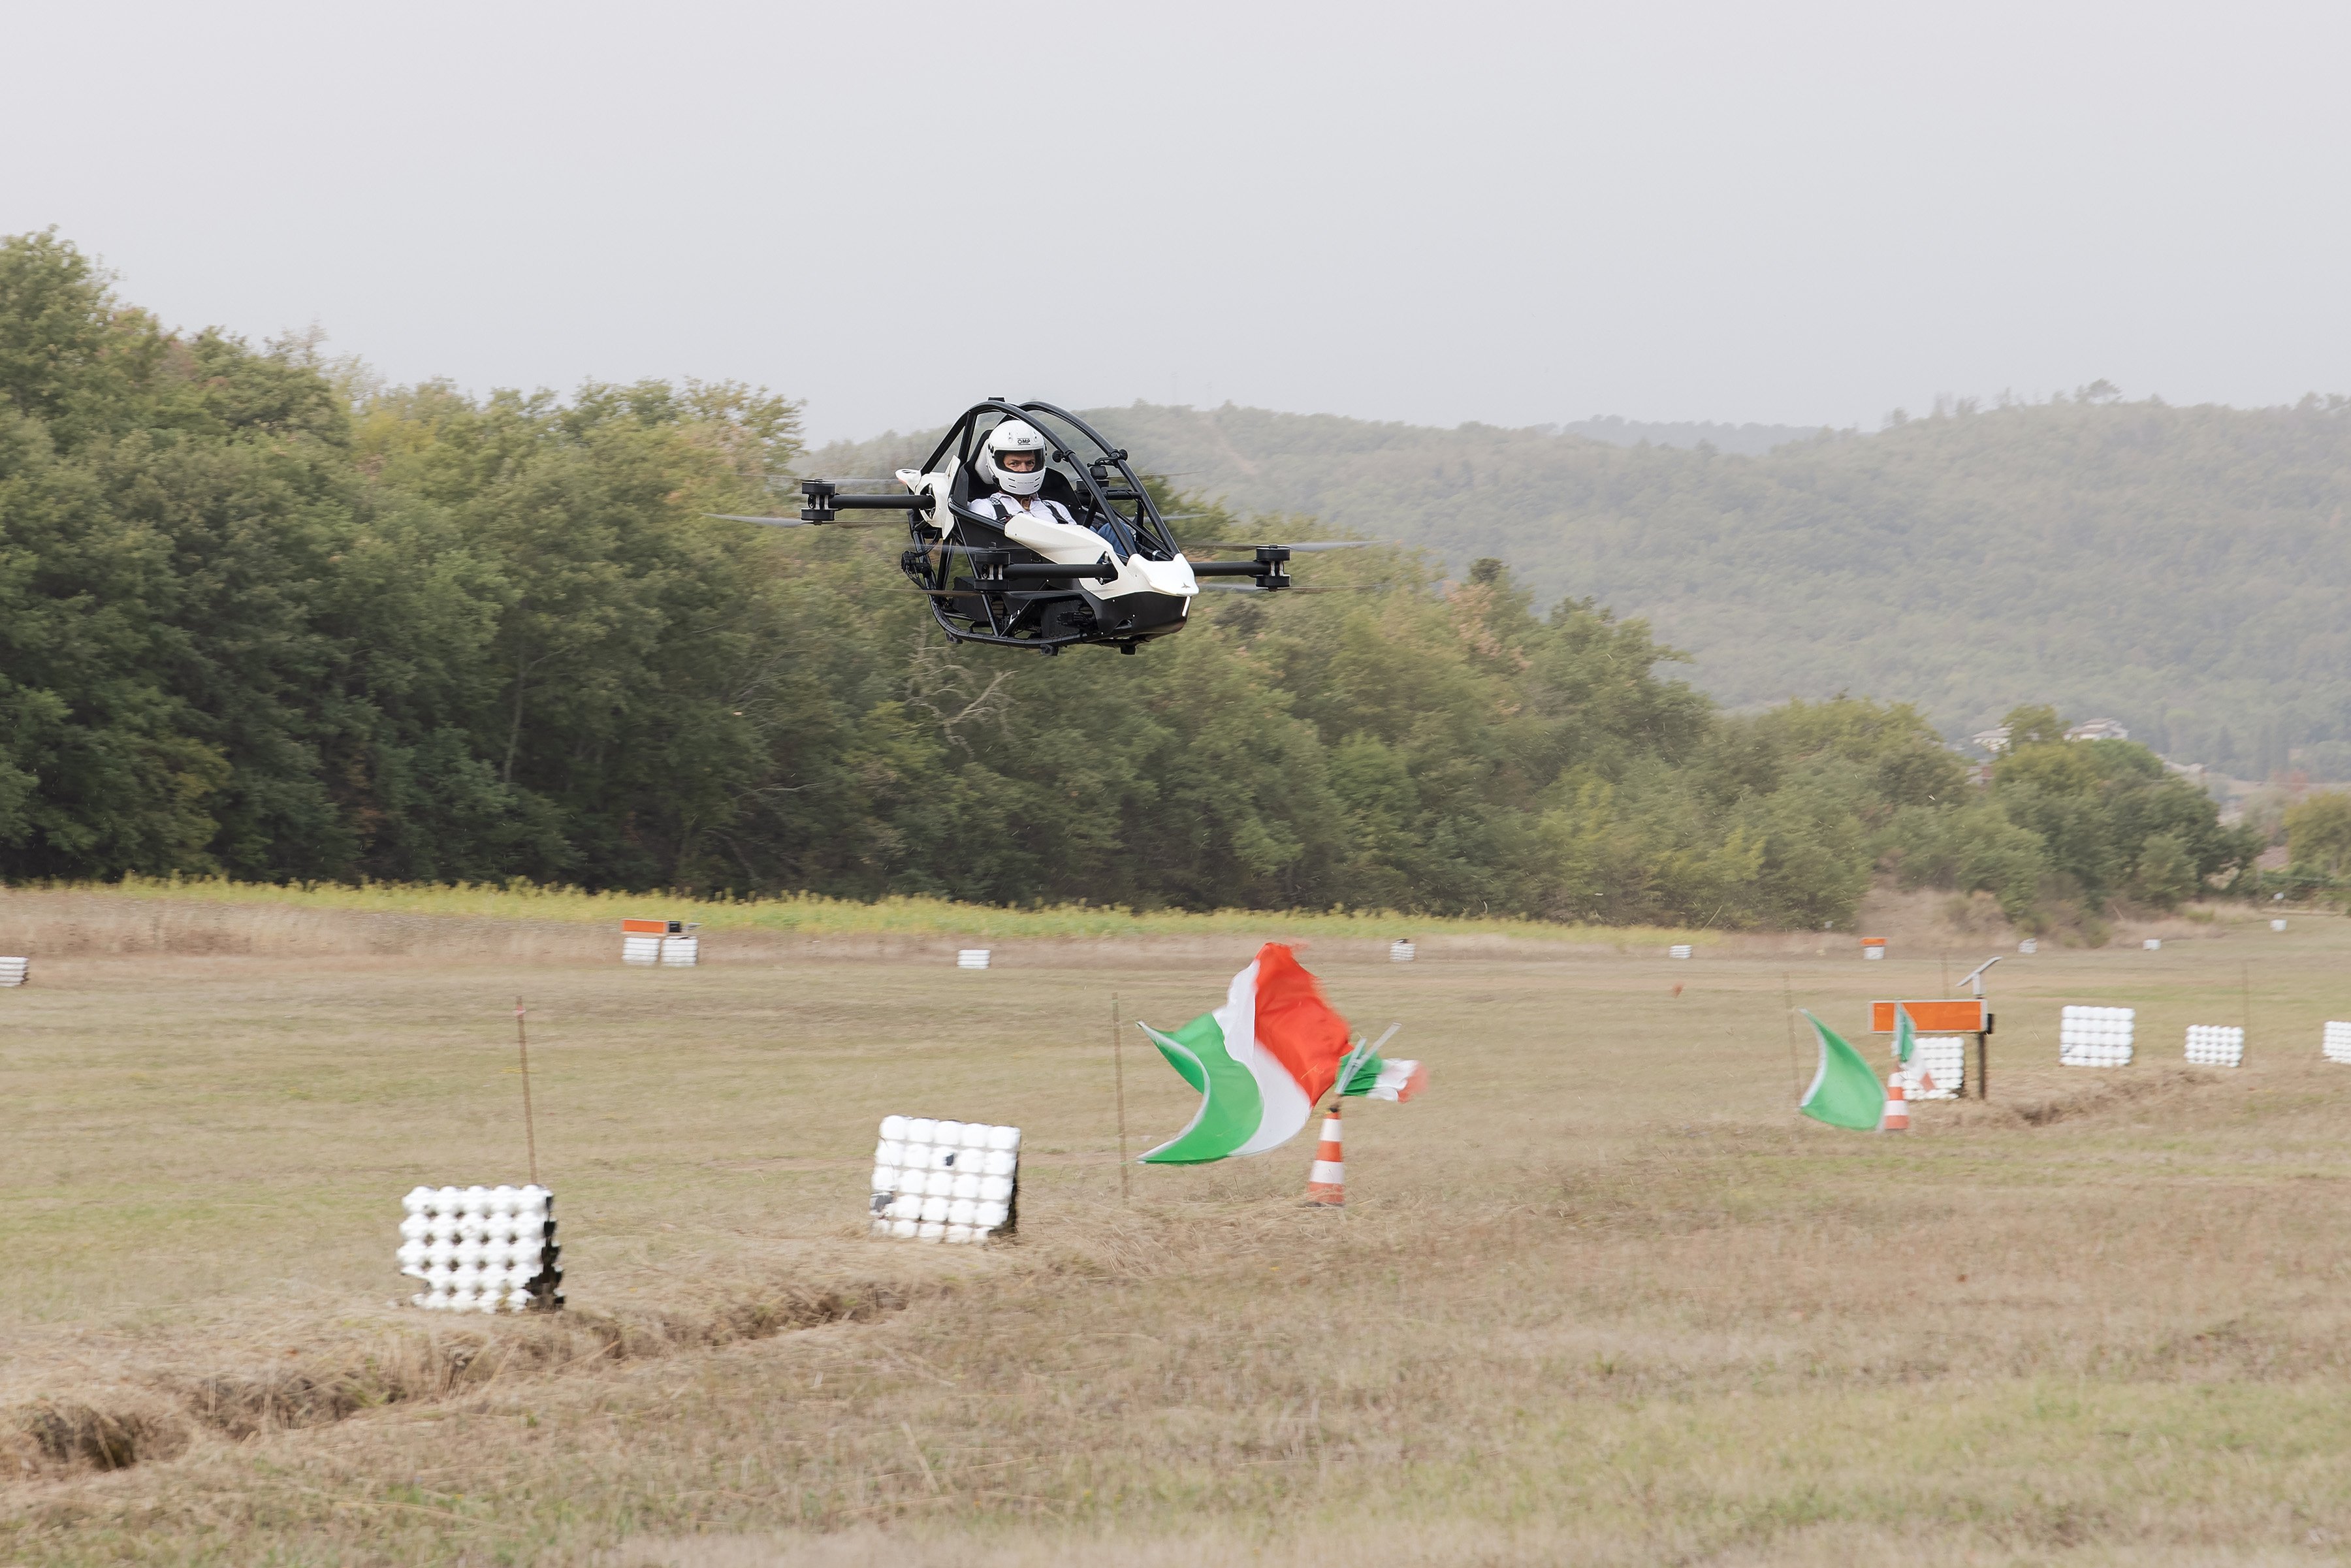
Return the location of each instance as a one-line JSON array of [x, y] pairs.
[[1992, 740], [2099, 729]]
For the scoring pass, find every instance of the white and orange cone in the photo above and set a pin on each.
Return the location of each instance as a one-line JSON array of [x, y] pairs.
[[1898, 1106], [1326, 1183]]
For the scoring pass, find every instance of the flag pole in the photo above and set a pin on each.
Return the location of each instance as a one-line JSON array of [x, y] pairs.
[[1795, 1067], [1118, 1071], [529, 1122]]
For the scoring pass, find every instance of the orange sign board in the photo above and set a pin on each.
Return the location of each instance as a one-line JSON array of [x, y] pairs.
[[661, 928], [1964, 1015]]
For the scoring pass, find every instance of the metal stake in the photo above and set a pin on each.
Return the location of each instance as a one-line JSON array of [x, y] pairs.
[[530, 1122], [1118, 1071]]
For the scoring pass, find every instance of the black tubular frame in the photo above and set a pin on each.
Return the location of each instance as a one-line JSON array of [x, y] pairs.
[[1144, 524], [1144, 532]]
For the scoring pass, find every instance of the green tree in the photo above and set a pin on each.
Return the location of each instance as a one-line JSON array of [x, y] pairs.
[[2318, 834]]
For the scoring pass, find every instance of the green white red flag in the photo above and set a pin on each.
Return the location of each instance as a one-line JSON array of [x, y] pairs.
[[1845, 1092], [1265, 1060]]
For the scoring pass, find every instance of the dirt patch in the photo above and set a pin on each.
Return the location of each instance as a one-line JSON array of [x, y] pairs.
[[56, 1435], [2105, 1098], [155, 1418]]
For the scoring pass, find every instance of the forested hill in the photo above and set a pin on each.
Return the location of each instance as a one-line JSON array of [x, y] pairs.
[[2187, 570], [260, 616]]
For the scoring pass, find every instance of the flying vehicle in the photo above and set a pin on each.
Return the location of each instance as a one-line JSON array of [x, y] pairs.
[[1112, 574]]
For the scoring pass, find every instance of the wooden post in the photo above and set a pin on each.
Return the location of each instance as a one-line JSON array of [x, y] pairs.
[[1795, 1066], [529, 1122], [1118, 1071]]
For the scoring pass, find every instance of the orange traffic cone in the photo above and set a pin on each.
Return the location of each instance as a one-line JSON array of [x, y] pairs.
[[1898, 1106], [1326, 1183]]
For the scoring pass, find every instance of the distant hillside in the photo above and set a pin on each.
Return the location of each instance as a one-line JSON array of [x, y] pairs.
[[2185, 571], [1752, 440]]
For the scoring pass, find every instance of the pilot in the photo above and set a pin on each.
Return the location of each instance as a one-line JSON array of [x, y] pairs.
[[1013, 460]]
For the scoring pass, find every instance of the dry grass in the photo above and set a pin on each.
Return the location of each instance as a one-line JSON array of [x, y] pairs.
[[266, 913], [1599, 1299]]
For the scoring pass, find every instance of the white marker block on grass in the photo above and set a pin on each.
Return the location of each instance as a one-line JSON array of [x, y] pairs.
[[2334, 1041], [481, 1249], [2216, 1045], [2096, 1037], [1937, 1069], [1402, 952], [972, 958], [15, 971], [668, 944], [1678, 950], [945, 1181]]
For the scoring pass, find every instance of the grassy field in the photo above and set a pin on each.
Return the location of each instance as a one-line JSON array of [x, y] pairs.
[[1598, 1297], [811, 915]]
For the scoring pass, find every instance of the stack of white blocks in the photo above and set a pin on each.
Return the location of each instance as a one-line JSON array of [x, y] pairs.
[[1401, 952], [481, 1248], [2335, 1043], [676, 952], [2096, 1037], [944, 1181], [2216, 1045], [15, 971], [642, 949], [971, 958], [1940, 1059], [1678, 950]]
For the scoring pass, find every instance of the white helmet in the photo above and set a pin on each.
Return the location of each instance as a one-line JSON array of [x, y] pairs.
[[1013, 436]]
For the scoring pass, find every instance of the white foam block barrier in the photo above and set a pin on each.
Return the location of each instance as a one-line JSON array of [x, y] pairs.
[[1402, 952], [641, 949], [482, 1248], [2096, 1037], [2335, 1040], [945, 1181], [1678, 950], [2216, 1045], [1937, 1069], [15, 971], [680, 952], [972, 958], [2153, 945]]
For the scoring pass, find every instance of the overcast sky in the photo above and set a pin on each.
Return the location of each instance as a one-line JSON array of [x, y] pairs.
[[1801, 212]]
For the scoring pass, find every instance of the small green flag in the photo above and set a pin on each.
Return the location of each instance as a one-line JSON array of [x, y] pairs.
[[1906, 1035], [1846, 1092]]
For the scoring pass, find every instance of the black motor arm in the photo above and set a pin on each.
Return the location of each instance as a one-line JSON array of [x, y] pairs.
[[825, 501], [1271, 567]]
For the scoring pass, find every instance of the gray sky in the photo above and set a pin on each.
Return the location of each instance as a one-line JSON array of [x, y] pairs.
[[1803, 211]]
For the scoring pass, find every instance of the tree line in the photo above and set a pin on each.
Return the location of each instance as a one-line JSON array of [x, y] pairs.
[[2179, 569], [262, 618]]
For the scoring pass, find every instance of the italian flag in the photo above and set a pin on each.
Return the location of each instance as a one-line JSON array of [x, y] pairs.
[[1264, 1060], [1906, 1048], [1846, 1092]]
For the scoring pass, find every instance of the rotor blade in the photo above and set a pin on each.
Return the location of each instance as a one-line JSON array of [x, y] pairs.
[[1313, 548], [796, 523], [1335, 588]]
